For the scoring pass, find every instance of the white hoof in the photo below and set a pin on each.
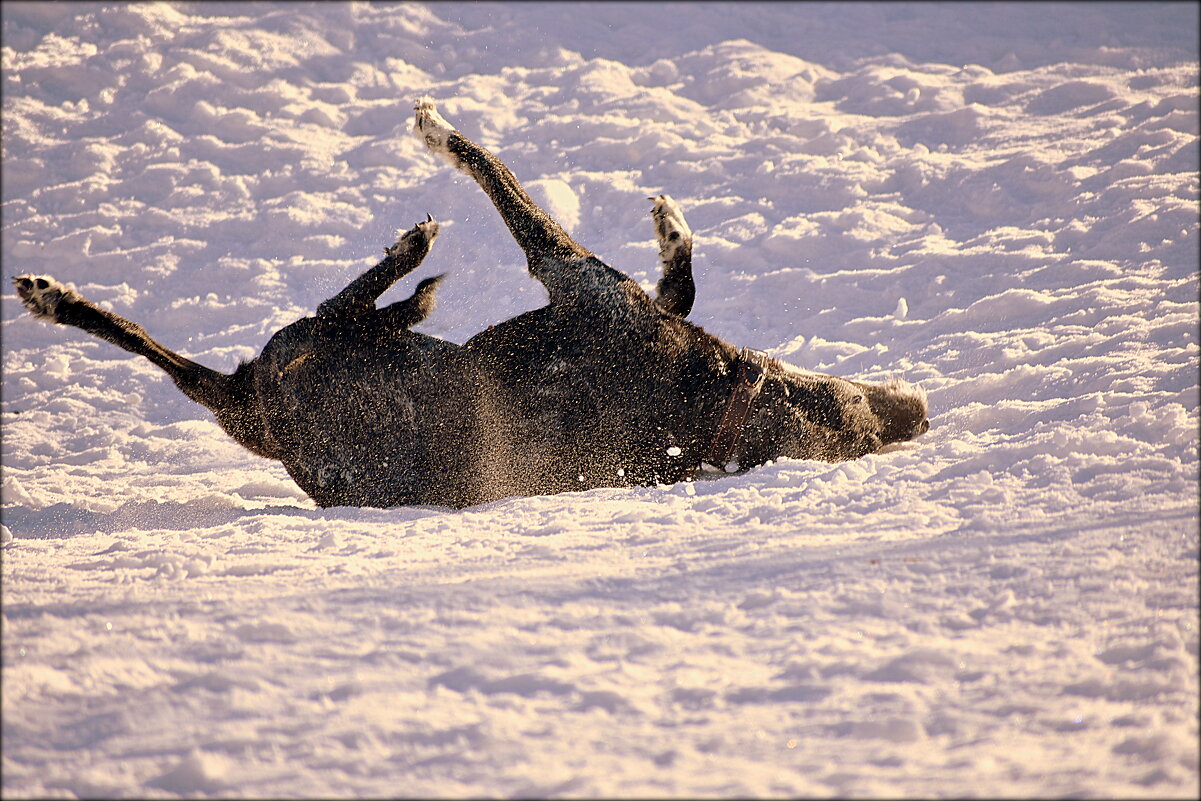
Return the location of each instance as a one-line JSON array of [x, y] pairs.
[[430, 127], [42, 295], [670, 227]]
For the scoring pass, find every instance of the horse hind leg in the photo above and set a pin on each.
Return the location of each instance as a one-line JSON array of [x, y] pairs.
[[50, 300], [230, 397], [413, 309], [399, 260]]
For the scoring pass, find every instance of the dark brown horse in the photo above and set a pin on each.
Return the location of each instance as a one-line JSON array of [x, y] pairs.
[[603, 386]]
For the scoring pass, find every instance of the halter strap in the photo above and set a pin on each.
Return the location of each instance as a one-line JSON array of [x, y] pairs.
[[748, 380]]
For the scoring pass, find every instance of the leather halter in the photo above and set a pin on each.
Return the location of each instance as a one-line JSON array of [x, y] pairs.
[[748, 380]]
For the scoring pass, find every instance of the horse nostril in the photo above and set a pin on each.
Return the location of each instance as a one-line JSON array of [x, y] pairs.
[[923, 427]]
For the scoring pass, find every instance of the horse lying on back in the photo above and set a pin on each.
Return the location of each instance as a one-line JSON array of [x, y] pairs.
[[604, 386]]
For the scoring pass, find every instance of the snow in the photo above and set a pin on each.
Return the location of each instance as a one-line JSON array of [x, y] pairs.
[[997, 202]]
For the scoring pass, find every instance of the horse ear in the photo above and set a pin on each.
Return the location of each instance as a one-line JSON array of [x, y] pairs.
[[676, 290]]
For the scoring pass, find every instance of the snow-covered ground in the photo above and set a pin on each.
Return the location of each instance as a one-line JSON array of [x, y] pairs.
[[999, 202]]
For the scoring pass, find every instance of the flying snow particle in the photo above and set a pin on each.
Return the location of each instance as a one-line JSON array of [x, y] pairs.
[[674, 451], [902, 309]]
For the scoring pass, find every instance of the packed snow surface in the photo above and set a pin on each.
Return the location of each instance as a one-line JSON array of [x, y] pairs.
[[998, 203]]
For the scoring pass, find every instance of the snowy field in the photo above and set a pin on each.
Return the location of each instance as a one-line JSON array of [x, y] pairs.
[[997, 202]]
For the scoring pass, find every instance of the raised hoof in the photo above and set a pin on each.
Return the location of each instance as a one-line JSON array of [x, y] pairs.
[[42, 295], [671, 229], [430, 127], [420, 235]]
